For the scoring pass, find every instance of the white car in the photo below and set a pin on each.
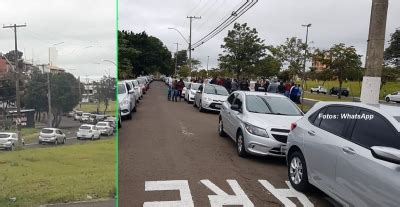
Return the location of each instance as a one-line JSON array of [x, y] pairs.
[[9, 140], [52, 135], [85, 117], [210, 97], [88, 131], [185, 89], [135, 89], [191, 91], [393, 97], [258, 122], [78, 115], [127, 102], [319, 89], [105, 128]]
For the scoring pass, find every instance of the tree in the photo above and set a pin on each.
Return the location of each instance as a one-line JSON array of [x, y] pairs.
[[196, 64], [11, 55], [242, 50], [341, 61], [392, 53], [36, 94], [105, 91], [268, 67], [184, 71], [389, 74], [292, 52]]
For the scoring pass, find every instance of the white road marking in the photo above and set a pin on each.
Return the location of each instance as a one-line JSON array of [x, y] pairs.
[[283, 194], [222, 198], [181, 185]]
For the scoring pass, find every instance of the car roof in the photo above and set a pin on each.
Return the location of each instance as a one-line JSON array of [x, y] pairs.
[[91, 125], [102, 122], [51, 128], [256, 93]]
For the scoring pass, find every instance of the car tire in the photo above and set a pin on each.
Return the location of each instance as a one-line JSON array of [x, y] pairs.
[[241, 150], [129, 116], [387, 99], [297, 172], [40, 142], [64, 141], [221, 131]]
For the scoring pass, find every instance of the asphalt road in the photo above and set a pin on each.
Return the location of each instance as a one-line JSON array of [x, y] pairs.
[[179, 146]]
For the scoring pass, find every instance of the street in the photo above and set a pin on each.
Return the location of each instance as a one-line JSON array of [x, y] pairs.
[[168, 141]]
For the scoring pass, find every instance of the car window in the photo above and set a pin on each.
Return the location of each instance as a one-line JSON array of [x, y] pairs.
[[121, 89], [368, 136], [231, 98], [217, 90], [47, 131], [59, 132], [238, 101], [128, 86], [316, 117], [271, 105], [332, 120], [84, 127], [4, 136]]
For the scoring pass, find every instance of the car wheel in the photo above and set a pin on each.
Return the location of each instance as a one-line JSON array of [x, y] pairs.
[[317, 92], [240, 145], [387, 99], [129, 116], [201, 107], [297, 172], [64, 141], [221, 131]]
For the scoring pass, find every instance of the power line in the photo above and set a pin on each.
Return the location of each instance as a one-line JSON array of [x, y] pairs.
[[233, 17]]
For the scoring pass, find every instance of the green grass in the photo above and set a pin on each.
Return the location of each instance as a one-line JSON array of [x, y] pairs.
[[325, 97], [92, 107], [305, 107], [58, 174], [355, 87]]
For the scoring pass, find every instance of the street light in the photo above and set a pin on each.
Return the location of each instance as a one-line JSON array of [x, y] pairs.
[[179, 33], [110, 61], [304, 65]]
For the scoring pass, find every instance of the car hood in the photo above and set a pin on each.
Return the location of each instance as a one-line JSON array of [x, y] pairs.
[[122, 97], [216, 97], [271, 121]]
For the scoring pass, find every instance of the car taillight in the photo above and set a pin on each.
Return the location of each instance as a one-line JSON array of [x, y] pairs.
[[293, 126]]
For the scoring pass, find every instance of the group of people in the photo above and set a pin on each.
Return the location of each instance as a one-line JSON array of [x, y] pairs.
[[175, 88], [289, 89]]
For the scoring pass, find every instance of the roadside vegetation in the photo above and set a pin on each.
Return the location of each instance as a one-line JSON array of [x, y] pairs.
[[92, 107]]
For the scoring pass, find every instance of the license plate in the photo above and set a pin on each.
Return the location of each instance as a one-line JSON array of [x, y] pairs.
[[283, 149], [45, 139]]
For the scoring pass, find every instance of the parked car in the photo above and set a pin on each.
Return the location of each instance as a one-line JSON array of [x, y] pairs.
[[258, 122], [88, 131], [78, 115], [210, 97], [112, 122], [350, 151], [127, 102], [71, 114], [105, 128], [393, 97], [52, 135], [85, 118], [335, 91], [191, 91], [137, 88], [185, 89], [8, 140], [319, 89]]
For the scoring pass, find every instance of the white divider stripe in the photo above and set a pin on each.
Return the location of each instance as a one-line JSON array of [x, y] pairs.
[[181, 185]]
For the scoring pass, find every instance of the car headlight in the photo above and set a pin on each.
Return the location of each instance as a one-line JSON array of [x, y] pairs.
[[256, 130], [207, 99], [125, 102]]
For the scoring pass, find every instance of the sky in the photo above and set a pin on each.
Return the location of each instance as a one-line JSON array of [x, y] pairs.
[[87, 29], [333, 22]]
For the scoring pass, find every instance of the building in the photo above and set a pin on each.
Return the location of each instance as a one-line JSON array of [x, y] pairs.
[[89, 91], [319, 67]]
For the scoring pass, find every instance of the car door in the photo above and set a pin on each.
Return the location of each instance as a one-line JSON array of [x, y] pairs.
[[226, 112], [234, 118], [131, 95], [364, 180], [396, 96], [321, 144]]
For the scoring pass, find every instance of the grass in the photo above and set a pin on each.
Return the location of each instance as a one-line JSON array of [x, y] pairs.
[[305, 107], [58, 174], [324, 97], [355, 87], [92, 107], [30, 135]]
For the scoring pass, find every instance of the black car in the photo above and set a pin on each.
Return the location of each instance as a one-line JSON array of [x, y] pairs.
[[335, 91]]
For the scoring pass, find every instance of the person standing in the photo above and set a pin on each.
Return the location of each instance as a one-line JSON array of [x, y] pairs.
[[228, 84], [287, 89], [257, 86], [299, 94], [175, 91], [180, 87], [273, 87], [244, 85], [293, 93], [170, 91], [266, 85], [234, 85], [281, 88]]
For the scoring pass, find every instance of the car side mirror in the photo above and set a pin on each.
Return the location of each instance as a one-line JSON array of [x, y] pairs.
[[387, 154], [235, 107]]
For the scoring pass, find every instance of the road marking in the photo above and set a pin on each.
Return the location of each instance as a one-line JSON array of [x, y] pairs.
[[184, 130], [222, 198], [283, 194], [181, 185]]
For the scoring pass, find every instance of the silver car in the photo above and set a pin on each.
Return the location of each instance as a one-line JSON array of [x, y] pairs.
[[210, 97], [258, 122], [191, 91], [88, 131], [351, 151], [9, 140], [52, 135], [105, 128]]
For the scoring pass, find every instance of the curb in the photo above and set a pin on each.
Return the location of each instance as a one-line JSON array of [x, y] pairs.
[[78, 202]]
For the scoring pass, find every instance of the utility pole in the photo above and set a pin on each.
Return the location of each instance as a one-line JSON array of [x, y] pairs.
[[304, 65], [190, 40], [208, 59], [176, 58], [374, 61], [17, 71], [49, 91]]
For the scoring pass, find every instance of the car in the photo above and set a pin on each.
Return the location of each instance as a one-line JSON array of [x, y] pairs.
[[8, 140], [52, 135], [393, 97], [258, 122], [135, 89], [88, 131], [185, 89], [78, 115], [349, 150], [210, 97], [335, 91], [142, 84], [105, 128], [85, 118], [119, 117], [132, 93], [318, 90], [71, 114], [112, 122], [127, 102], [191, 92]]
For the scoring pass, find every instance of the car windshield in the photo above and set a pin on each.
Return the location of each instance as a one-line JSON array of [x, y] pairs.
[[47, 131], [85, 114], [194, 86], [79, 113], [217, 90], [85, 127], [187, 84], [101, 124], [271, 105], [397, 118], [4, 136], [121, 89]]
